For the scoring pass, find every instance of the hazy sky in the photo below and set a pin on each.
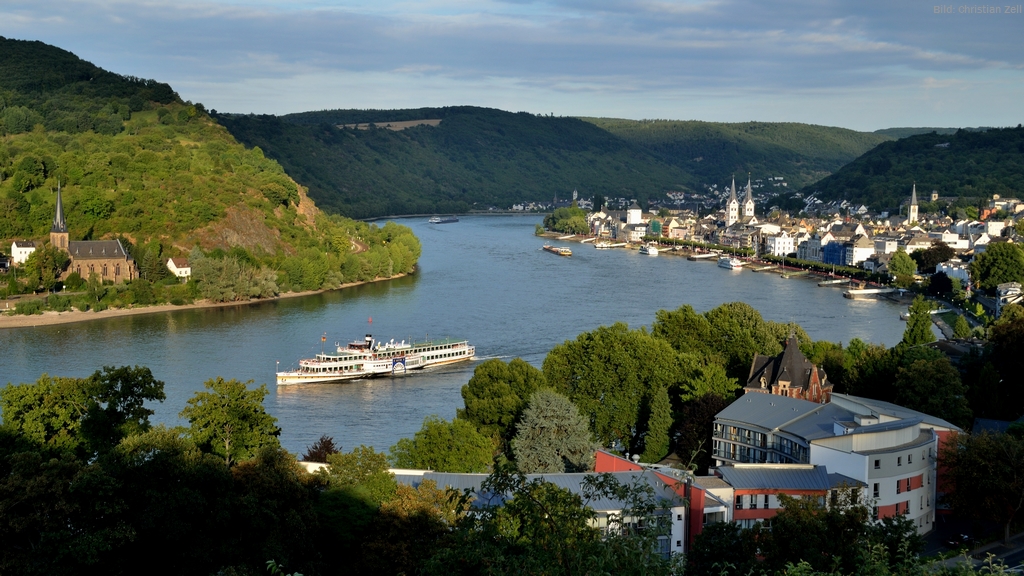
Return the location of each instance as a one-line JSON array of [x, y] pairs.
[[865, 64]]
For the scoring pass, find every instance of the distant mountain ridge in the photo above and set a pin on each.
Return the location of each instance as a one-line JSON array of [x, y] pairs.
[[970, 163], [480, 157]]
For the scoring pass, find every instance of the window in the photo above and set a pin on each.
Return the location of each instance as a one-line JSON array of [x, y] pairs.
[[739, 502], [679, 516], [899, 490], [878, 464], [922, 502], [874, 512], [910, 458], [899, 460], [876, 490], [765, 501], [753, 501]]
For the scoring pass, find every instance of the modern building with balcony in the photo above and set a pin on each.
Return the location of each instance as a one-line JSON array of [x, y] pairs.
[[890, 450]]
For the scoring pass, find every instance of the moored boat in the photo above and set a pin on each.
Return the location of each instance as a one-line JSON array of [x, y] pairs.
[[604, 245], [560, 250], [649, 250], [730, 263]]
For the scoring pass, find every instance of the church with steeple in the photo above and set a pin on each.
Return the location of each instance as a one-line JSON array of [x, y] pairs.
[[912, 210], [106, 258], [733, 213]]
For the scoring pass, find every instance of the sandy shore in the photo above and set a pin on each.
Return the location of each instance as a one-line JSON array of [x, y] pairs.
[[54, 318]]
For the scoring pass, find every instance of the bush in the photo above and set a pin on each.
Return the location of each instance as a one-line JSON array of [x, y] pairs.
[[29, 307], [58, 303], [74, 281]]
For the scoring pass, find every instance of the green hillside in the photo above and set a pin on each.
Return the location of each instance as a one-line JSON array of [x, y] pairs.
[[475, 158], [968, 164], [714, 151], [135, 161]]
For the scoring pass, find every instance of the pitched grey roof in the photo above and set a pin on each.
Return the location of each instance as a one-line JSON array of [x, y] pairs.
[[818, 423], [96, 249], [836, 480], [776, 477], [765, 410]]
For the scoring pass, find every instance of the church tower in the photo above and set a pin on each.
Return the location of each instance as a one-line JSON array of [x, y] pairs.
[[748, 202], [59, 230], [912, 211], [732, 208]]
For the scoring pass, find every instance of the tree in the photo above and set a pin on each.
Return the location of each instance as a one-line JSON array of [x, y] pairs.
[[444, 446], [552, 436], [901, 264], [496, 395], [985, 477], [939, 284], [691, 433], [826, 537], [962, 328], [656, 440], [1007, 340], [44, 266], [723, 548], [611, 374], [320, 450], [919, 324], [1000, 262], [930, 257], [364, 472], [933, 386], [229, 420], [86, 416]]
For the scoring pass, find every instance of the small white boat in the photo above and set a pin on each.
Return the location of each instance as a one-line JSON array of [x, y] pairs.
[[730, 263], [649, 250], [606, 245]]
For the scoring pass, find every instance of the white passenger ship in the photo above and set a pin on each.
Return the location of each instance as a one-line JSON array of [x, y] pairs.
[[369, 358]]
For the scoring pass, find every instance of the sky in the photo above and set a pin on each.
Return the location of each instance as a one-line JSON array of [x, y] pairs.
[[863, 65]]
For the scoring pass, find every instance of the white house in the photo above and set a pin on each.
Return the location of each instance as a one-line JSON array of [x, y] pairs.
[[20, 249], [954, 268], [779, 245], [180, 268]]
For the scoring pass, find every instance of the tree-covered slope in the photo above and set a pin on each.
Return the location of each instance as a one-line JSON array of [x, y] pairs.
[[475, 158], [714, 151], [966, 163], [133, 160]]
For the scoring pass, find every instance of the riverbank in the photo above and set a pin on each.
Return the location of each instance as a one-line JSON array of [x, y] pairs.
[[50, 318]]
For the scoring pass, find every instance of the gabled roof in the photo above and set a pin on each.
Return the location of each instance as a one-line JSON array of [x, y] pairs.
[[24, 244], [96, 249], [790, 366]]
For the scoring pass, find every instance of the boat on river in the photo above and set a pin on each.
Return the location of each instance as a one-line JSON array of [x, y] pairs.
[[730, 263], [368, 358], [649, 250], [560, 250], [443, 220]]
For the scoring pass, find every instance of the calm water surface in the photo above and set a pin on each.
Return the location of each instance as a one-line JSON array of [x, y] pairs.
[[484, 278]]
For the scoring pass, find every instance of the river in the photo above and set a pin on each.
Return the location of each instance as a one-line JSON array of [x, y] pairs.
[[484, 279]]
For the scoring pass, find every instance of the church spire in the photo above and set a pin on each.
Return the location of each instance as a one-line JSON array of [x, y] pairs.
[[749, 197], [732, 191], [59, 224], [913, 195]]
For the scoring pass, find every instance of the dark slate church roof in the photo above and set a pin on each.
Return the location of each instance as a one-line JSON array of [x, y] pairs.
[[96, 250], [791, 366]]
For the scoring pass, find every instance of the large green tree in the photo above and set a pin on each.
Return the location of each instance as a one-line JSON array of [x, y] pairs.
[[919, 324], [552, 436], [611, 374], [495, 396], [228, 419], [985, 477], [85, 415], [444, 446], [933, 386], [1000, 262], [902, 264]]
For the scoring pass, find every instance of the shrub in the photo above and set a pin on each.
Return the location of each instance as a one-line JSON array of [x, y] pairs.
[[28, 307]]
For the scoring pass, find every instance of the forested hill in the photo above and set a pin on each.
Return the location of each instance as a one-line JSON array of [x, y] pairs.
[[969, 164], [475, 158], [135, 161], [714, 151]]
